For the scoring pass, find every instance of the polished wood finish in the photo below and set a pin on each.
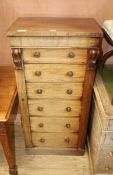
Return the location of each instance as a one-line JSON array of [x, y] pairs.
[[51, 107], [55, 55], [20, 79], [55, 27], [54, 90], [8, 109], [41, 124], [87, 93], [54, 73], [37, 42], [59, 59], [55, 140]]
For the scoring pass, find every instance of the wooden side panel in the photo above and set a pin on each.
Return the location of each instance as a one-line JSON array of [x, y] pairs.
[[54, 90], [54, 73], [93, 55], [23, 106], [41, 124], [100, 149], [55, 140], [55, 108]]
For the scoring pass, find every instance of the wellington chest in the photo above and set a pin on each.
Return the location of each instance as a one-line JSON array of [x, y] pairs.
[[101, 137], [55, 62]]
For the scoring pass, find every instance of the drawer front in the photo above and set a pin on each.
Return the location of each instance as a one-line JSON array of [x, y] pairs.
[[104, 167], [59, 140], [54, 90], [54, 108], [55, 55], [108, 138], [54, 73], [40, 124]]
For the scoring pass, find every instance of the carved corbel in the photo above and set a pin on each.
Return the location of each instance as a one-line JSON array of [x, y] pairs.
[[17, 58], [93, 54]]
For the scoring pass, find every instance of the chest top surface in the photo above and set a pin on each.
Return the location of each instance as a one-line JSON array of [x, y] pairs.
[[44, 26]]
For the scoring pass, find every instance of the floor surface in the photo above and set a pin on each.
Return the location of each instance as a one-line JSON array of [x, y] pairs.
[[43, 164]]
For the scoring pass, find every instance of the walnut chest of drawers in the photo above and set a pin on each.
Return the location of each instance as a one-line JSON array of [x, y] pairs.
[[55, 62], [101, 135]]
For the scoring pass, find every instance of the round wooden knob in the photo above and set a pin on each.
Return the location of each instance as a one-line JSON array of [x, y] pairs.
[[68, 125], [70, 73], [42, 140], [37, 54], [68, 109], [38, 73], [69, 91], [67, 140], [39, 91], [41, 125], [40, 108], [111, 153], [71, 55], [107, 168]]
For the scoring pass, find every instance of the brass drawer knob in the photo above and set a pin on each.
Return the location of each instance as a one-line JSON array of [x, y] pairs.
[[39, 91], [69, 91], [68, 125], [67, 140], [38, 73], [70, 74], [41, 125], [111, 153], [71, 55], [37, 54], [68, 109], [40, 108], [42, 140]]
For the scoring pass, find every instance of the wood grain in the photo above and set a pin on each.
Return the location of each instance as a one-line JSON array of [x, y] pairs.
[[54, 73], [20, 80], [55, 27], [41, 124], [93, 56], [55, 55], [8, 111], [8, 91], [29, 42], [59, 140], [54, 108], [54, 90], [54, 38], [101, 143]]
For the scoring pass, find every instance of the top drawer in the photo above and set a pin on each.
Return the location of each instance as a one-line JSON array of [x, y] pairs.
[[55, 55]]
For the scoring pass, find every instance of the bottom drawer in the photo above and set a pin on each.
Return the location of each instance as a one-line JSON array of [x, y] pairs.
[[59, 140]]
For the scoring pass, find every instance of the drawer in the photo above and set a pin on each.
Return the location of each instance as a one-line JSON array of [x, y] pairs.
[[55, 55], [54, 90], [54, 73], [104, 168], [54, 107], [107, 138], [61, 140], [41, 124]]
